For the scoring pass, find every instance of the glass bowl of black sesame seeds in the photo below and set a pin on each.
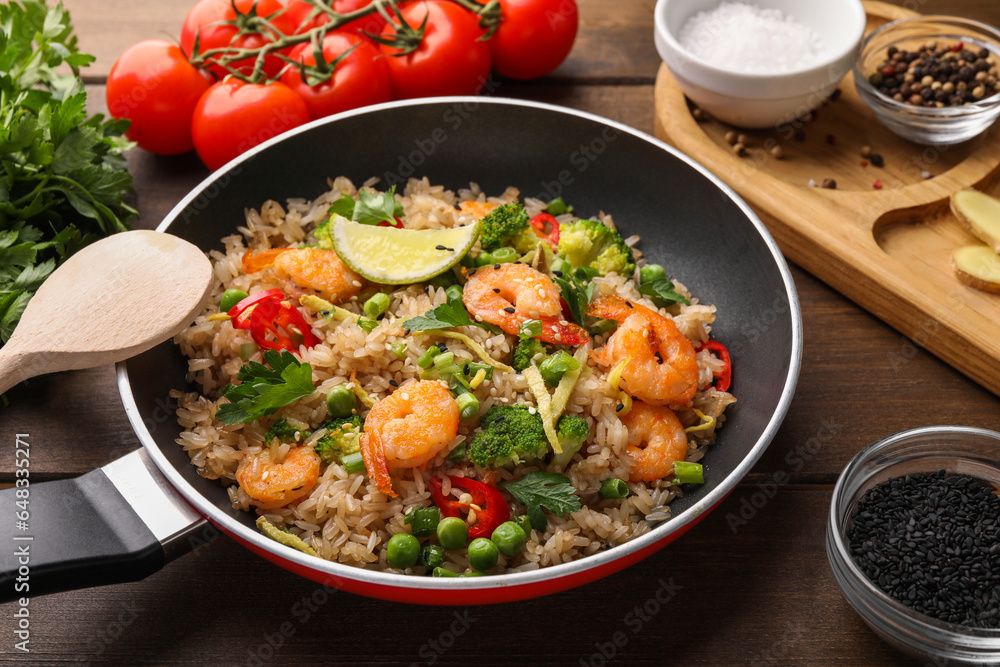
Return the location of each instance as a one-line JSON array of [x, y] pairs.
[[913, 539], [932, 79]]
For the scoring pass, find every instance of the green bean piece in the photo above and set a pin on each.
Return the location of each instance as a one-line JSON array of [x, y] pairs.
[[423, 520], [431, 556], [504, 255], [341, 402], [377, 304], [560, 265], [353, 463], [468, 405], [525, 523], [555, 366], [399, 349], [427, 358], [444, 359], [442, 572], [686, 472], [614, 488]]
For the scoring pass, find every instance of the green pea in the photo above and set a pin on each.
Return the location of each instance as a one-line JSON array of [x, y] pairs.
[[525, 523], [509, 538], [340, 402], [504, 255], [484, 259], [230, 298], [454, 293], [376, 305], [651, 272], [431, 556], [452, 533], [403, 550], [483, 554], [424, 520], [442, 572]]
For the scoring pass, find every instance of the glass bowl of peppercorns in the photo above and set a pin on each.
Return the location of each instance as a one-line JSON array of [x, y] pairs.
[[932, 79], [913, 539]]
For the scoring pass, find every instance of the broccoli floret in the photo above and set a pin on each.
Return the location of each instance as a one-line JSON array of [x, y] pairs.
[[594, 244], [510, 434], [572, 431], [342, 437], [507, 225], [285, 430], [526, 350], [323, 234]]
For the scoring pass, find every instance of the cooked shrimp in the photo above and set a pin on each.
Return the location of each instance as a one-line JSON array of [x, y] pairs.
[[656, 439], [271, 485], [407, 429], [477, 209], [661, 367], [508, 294], [310, 268]]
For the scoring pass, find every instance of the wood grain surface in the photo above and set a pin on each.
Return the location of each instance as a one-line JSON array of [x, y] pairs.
[[888, 249], [758, 593]]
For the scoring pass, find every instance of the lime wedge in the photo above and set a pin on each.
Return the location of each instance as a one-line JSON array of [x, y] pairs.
[[393, 256]]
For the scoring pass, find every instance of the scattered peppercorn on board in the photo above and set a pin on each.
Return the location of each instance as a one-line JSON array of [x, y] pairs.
[[862, 209]]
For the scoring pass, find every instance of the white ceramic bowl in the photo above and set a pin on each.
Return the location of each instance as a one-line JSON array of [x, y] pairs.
[[763, 100]]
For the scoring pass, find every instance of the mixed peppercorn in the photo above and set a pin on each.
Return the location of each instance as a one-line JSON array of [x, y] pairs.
[[937, 75]]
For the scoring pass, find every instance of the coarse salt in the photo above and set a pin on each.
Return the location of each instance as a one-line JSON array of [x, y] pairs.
[[743, 37]]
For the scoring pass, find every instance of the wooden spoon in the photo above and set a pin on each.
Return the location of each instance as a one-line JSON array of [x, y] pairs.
[[112, 300]]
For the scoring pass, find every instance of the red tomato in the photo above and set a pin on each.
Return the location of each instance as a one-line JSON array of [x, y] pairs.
[[358, 80], [449, 61], [202, 17], [233, 116], [298, 12], [534, 37], [153, 85]]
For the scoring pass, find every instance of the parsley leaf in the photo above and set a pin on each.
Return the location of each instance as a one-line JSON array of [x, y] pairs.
[[63, 179], [371, 209], [445, 316], [544, 489], [344, 207], [265, 390], [577, 295], [661, 292]]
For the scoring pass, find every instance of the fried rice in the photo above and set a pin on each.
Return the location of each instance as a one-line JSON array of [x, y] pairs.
[[346, 518]]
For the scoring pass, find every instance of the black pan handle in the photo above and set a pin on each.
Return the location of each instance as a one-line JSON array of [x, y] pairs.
[[119, 523]]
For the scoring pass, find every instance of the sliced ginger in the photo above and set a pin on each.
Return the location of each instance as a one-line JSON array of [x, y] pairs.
[[980, 213], [978, 266]]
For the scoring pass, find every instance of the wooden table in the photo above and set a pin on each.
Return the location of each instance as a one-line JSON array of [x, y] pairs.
[[757, 592]]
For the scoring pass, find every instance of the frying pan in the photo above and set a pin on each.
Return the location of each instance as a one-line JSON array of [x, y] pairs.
[[127, 519]]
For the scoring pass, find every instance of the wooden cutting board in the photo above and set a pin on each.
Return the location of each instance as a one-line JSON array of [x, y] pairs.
[[887, 249]]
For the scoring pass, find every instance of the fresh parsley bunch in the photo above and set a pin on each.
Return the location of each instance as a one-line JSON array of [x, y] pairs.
[[63, 179]]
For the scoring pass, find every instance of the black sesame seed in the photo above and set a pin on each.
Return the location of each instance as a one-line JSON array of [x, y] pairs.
[[406, 332], [496, 290], [496, 266], [440, 247], [932, 541], [442, 347], [557, 274], [465, 369], [509, 309], [629, 304], [393, 383], [620, 407]]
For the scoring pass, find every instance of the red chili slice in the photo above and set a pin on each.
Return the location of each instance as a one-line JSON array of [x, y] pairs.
[[272, 321], [539, 223], [493, 512], [724, 378]]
